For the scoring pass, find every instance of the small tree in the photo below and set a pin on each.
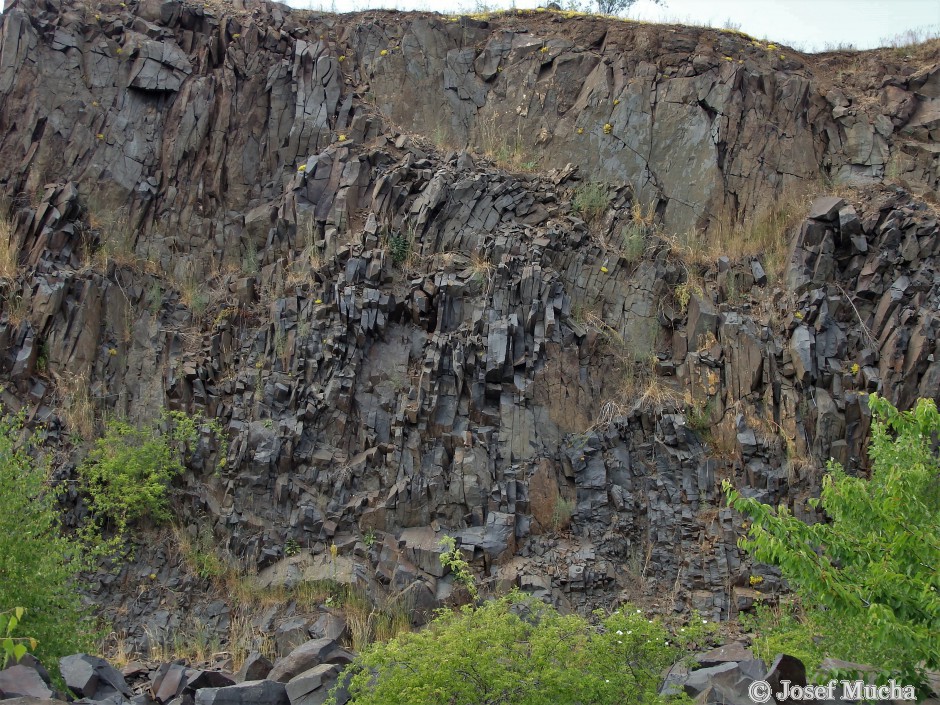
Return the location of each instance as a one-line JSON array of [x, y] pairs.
[[616, 7], [517, 650], [872, 573], [38, 564]]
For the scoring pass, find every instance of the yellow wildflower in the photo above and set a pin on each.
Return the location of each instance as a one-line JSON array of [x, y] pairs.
[[608, 128], [384, 52], [604, 270]]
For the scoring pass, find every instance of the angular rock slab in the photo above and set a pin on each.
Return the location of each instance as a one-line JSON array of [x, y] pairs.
[[92, 677], [312, 687], [248, 693], [305, 657], [22, 681]]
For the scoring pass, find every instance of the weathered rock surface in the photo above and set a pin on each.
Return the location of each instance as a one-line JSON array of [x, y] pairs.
[[92, 677], [22, 682], [403, 341], [263, 692]]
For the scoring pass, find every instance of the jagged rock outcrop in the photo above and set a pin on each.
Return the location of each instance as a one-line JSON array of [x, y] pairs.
[[403, 341]]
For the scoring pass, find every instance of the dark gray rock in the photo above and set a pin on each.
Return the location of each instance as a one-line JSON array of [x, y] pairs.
[[265, 692], [291, 634], [255, 668], [826, 208], [22, 681], [92, 677], [312, 687], [305, 657]]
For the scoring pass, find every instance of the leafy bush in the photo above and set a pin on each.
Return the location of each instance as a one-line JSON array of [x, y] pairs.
[[871, 574], [13, 647], [399, 246], [784, 629], [453, 560], [518, 650], [38, 564], [128, 472]]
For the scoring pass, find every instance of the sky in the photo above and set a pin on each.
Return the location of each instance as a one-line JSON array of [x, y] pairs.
[[807, 25]]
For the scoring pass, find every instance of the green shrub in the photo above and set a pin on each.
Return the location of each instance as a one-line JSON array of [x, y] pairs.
[[453, 560], [590, 201], [871, 573], [127, 474], [399, 246], [562, 513], [784, 629], [38, 564], [516, 650], [634, 241]]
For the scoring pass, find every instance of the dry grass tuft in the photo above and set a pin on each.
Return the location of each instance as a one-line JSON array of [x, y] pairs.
[[369, 623], [301, 270], [76, 406], [507, 151], [765, 236], [8, 253]]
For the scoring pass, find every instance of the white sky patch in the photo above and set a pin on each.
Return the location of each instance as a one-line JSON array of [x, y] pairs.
[[807, 25]]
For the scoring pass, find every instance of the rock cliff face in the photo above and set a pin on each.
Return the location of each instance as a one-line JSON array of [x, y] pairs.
[[272, 217]]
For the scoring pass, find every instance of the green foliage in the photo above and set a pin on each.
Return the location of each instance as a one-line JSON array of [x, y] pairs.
[[127, 474], [291, 547], [399, 246], [616, 7], [684, 293], [453, 560], [369, 538], [590, 201], [517, 650], [871, 573], [14, 647], [784, 630], [38, 564], [154, 297], [562, 513], [200, 552], [634, 241]]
